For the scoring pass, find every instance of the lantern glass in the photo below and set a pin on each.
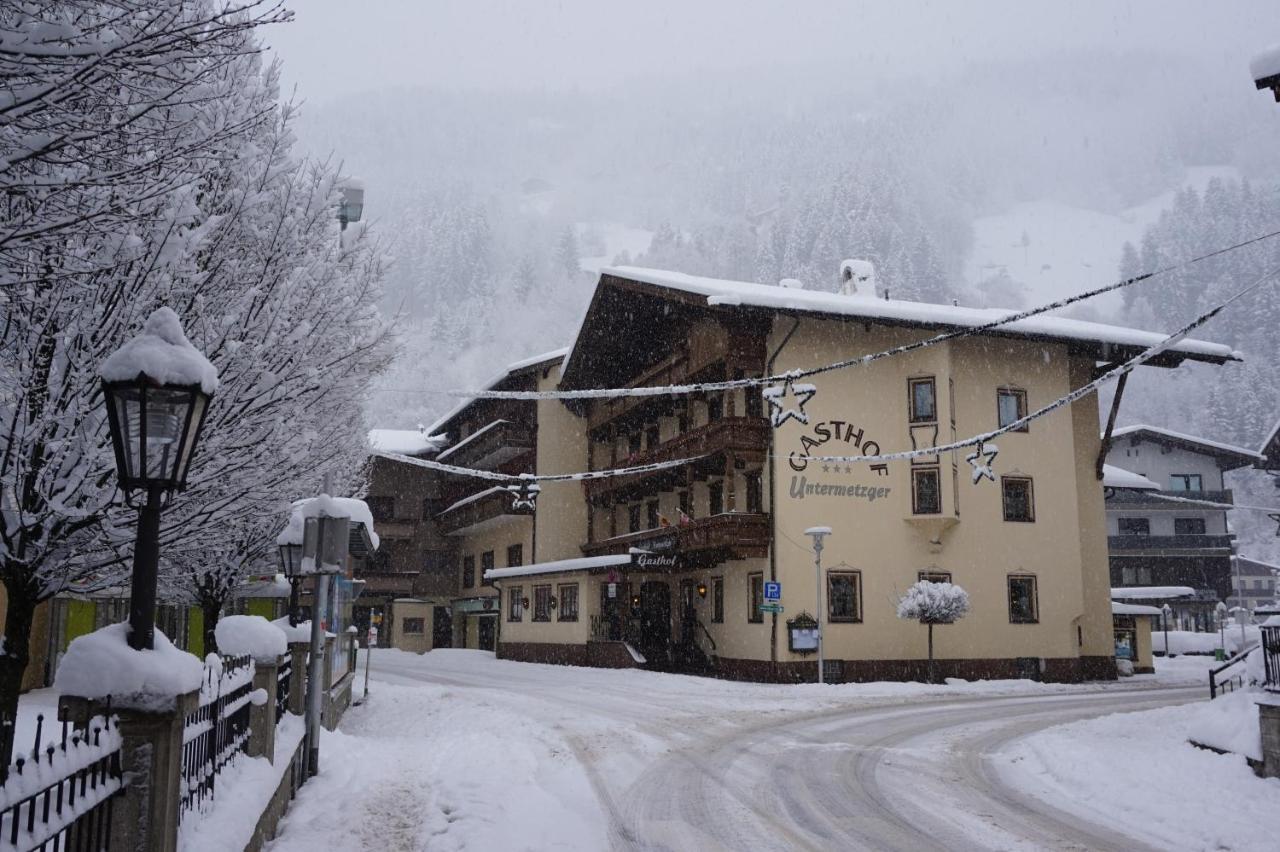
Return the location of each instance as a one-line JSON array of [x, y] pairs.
[[291, 560], [352, 204], [154, 429]]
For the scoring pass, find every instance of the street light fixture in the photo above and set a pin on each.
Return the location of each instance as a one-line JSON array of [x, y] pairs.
[[1167, 612], [1221, 609], [291, 567], [818, 534], [157, 389]]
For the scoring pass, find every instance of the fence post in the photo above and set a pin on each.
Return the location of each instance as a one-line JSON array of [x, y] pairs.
[[262, 717], [145, 817], [298, 678]]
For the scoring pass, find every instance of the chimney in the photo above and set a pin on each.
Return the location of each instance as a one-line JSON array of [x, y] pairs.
[[858, 278]]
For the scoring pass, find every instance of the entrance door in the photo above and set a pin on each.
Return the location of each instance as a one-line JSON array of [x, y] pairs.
[[441, 627], [655, 622], [615, 611], [487, 626], [688, 612]]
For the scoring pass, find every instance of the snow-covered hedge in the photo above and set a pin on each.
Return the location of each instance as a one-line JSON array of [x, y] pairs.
[[101, 664], [252, 635], [934, 603]]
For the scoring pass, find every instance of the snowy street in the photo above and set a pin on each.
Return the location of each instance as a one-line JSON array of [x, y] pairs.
[[457, 750]]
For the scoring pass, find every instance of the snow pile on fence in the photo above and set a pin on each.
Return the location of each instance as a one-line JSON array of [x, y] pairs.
[[250, 635], [163, 352], [101, 664], [936, 603]]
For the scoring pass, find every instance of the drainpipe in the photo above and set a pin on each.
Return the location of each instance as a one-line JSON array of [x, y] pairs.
[[773, 506]]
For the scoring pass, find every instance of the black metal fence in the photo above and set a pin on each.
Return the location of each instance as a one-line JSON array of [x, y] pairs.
[[1271, 657], [282, 687], [218, 730], [61, 798]]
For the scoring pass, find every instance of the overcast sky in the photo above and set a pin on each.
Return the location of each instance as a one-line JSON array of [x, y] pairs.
[[337, 47]]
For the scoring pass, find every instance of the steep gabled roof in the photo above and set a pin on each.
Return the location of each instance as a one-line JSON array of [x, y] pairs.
[[440, 426], [1229, 457]]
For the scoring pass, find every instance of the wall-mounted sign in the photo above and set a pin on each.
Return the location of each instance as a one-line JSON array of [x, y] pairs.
[[773, 591], [662, 544], [802, 634], [613, 590], [855, 444], [656, 561]]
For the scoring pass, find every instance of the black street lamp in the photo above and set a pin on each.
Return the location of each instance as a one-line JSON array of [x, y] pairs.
[[157, 389], [291, 567]]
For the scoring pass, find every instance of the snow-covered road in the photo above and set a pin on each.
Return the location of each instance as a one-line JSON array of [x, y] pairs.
[[457, 750]]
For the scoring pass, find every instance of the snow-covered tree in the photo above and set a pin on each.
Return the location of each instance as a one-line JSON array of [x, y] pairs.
[[933, 603]]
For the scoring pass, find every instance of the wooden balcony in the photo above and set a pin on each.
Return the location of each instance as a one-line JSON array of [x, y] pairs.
[[483, 507], [491, 446], [735, 535], [746, 438], [1168, 543]]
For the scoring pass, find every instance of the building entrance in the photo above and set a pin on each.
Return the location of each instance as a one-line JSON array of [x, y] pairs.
[[487, 627], [655, 623]]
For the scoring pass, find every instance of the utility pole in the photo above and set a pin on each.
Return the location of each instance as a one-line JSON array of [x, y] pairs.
[[818, 534]]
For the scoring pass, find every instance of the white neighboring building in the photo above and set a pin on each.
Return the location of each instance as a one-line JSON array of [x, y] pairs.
[[1253, 583]]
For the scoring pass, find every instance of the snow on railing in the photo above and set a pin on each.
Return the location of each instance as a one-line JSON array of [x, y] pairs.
[[217, 731], [61, 797]]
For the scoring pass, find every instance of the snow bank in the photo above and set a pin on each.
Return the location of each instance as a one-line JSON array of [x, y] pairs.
[[1229, 723], [1187, 642], [252, 635], [163, 352], [101, 664]]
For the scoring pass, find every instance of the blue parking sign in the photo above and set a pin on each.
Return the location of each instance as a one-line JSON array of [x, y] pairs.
[[773, 591]]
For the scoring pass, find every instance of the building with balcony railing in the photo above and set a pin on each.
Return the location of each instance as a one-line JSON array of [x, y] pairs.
[[668, 567], [1174, 531]]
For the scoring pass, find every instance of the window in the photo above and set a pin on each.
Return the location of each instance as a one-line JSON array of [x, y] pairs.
[[1023, 606], [633, 518], [844, 596], [541, 603], [1018, 500], [1011, 406], [652, 437], [755, 493], [686, 503], [382, 508], [717, 600], [515, 555], [431, 507], [923, 400], [934, 576], [1134, 526], [413, 625], [926, 491], [633, 443], [755, 598], [715, 409], [1131, 576], [1186, 482], [753, 402], [468, 571], [568, 602], [486, 565], [1188, 526], [651, 514], [715, 497], [515, 603]]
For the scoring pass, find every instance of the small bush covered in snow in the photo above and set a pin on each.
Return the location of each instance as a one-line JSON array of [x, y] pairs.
[[934, 603], [101, 664], [252, 635]]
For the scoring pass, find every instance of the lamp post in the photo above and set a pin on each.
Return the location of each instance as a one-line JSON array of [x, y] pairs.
[[818, 534], [291, 567], [351, 206], [157, 389], [1166, 612], [1221, 610]]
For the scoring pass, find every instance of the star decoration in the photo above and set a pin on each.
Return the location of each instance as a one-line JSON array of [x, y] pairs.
[[525, 495], [848, 469], [826, 468], [982, 468], [776, 396], [1275, 516]]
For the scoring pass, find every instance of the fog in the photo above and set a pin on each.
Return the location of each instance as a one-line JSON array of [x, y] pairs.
[[994, 154]]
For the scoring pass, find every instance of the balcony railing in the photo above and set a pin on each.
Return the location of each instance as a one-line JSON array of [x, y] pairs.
[[738, 534], [746, 437], [1168, 542], [1151, 499], [490, 446], [482, 506]]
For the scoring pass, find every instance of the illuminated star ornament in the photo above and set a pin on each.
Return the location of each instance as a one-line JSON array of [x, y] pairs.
[[525, 495], [982, 468], [777, 395], [1275, 516]]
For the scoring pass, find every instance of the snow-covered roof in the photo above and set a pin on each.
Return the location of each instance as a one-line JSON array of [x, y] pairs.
[[1191, 442], [1114, 477], [1255, 567], [723, 292], [582, 563], [406, 442], [1118, 608], [472, 498], [524, 364], [332, 507], [1265, 63], [1151, 593], [163, 353]]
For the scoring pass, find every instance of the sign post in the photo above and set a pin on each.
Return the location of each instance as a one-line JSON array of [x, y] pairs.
[[818, 534]]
